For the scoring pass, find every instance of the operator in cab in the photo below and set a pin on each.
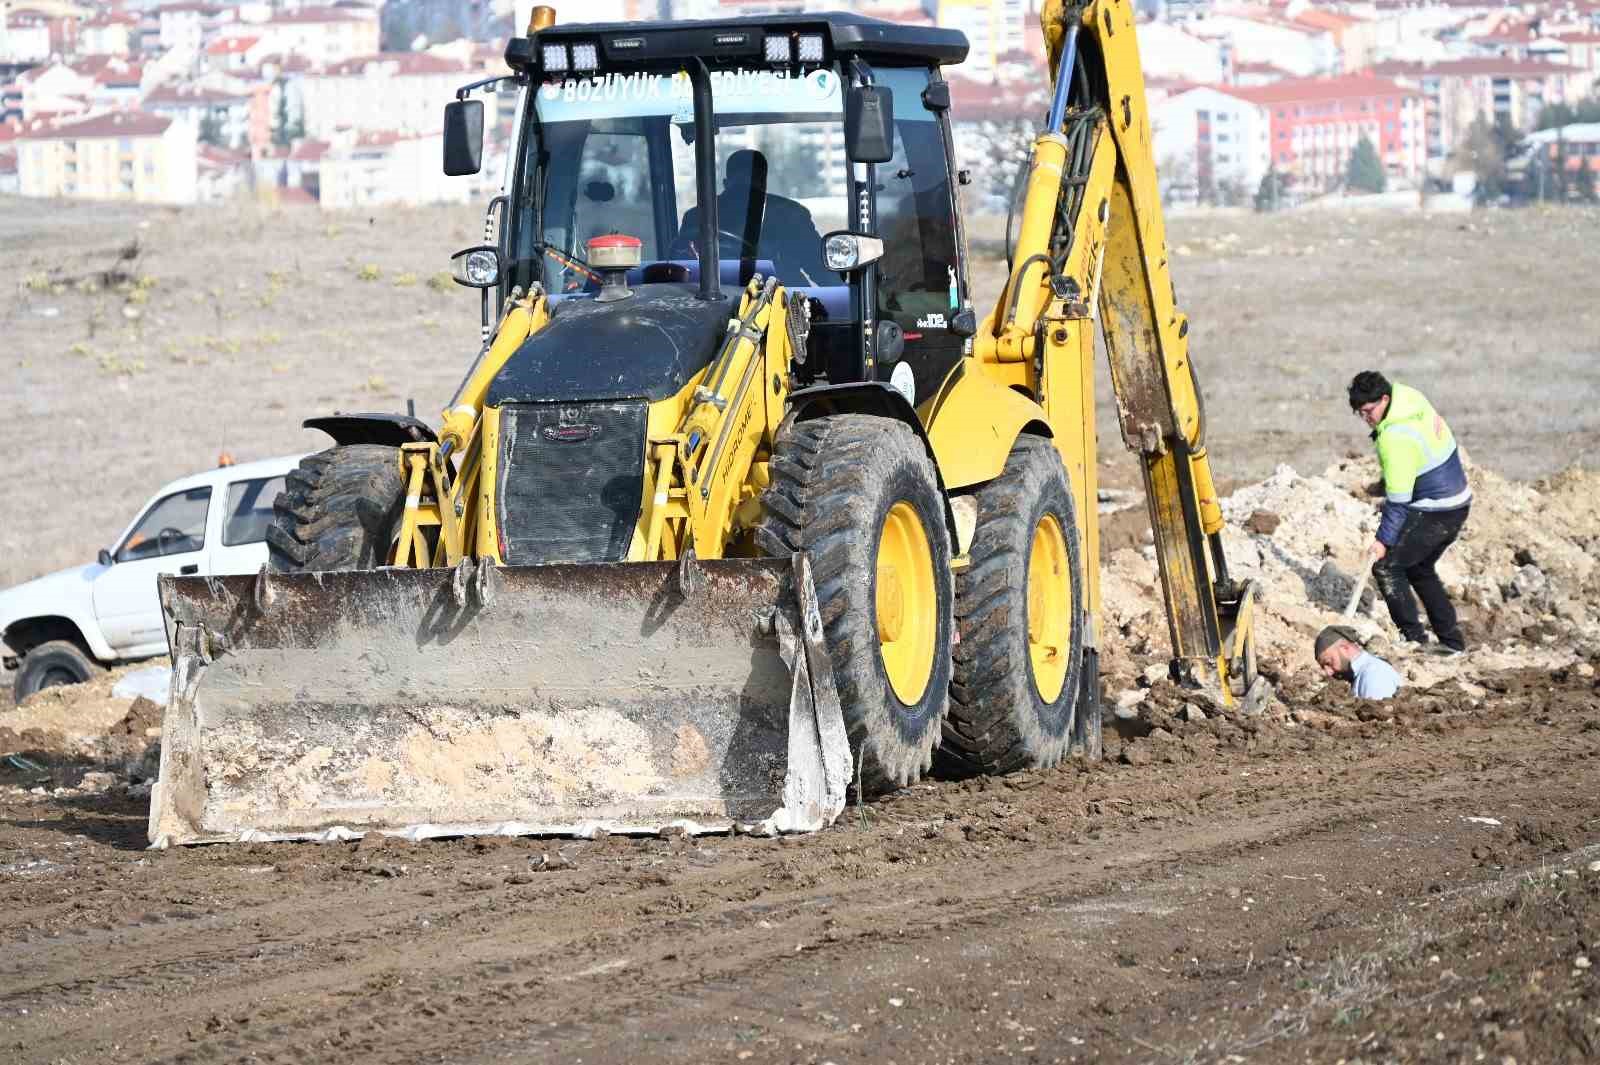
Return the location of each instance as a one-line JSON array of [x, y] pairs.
[[1426, 500], [768, 226]]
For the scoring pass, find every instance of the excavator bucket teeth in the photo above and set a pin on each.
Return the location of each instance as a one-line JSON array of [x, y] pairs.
[[551, 700]]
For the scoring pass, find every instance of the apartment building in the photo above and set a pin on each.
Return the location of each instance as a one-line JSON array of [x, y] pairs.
[[1316, 122], [403, 91], [1456, 91], [1210, 140], [115, 155]]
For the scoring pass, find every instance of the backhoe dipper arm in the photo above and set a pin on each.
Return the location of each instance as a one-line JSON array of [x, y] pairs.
[[1092, 235]]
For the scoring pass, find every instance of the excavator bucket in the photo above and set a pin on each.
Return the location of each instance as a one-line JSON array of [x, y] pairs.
[[549, 700]]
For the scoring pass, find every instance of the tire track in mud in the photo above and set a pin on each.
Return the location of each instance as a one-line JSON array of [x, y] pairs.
[[336, 961]]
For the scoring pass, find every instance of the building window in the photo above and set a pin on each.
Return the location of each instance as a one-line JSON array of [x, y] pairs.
[[124, 145], [1203, 115]]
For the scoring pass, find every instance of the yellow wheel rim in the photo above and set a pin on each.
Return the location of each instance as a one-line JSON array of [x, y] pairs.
[[907, 604], [1049, 608]]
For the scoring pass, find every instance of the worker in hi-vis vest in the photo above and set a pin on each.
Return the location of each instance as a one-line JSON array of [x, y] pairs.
[[1426, 499]]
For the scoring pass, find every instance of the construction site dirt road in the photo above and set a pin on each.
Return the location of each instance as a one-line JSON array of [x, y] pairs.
[[1417, 882]]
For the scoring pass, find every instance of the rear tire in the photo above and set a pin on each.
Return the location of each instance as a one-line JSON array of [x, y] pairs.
[[338, 511], [1019, 610], [858, 493], [53, 663]]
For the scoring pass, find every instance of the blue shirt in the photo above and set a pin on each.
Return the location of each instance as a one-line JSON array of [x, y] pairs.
[[1372, 677]]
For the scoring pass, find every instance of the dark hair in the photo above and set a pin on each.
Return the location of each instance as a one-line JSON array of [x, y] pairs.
[[1368, 386]]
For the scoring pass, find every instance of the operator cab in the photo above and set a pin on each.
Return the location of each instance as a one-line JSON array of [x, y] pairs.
[[619, 136]]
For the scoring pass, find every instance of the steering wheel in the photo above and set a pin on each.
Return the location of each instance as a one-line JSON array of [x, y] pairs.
[[682, 247], [170, 533]]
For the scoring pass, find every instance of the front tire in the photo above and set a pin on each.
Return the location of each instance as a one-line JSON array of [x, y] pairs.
[[51, 664], [338, 511], [1019, 608], [858, 493]]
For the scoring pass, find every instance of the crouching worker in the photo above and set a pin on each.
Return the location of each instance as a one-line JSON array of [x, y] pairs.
[[1340, 654]]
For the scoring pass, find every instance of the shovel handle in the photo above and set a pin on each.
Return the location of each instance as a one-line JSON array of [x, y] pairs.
[[1355, 596]]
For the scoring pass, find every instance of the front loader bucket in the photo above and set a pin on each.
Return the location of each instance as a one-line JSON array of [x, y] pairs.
[[549, 700]]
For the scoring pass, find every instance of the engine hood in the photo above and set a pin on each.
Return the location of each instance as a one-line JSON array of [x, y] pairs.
[[647, 346], [68, 593]]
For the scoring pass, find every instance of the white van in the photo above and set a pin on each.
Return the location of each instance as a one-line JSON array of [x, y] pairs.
[[59, 629]]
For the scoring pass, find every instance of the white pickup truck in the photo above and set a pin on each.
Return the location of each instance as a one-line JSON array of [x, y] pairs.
[[61, 628]]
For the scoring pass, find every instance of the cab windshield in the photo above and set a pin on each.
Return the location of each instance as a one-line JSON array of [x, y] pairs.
[[615, 154]]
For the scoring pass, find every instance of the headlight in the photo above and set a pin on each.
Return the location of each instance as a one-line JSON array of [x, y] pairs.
[[555, 58], [586, 56], [850, 251], [476, 267], [811, 48], [777, 49]]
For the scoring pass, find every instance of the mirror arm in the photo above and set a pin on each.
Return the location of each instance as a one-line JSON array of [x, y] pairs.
[[465, 90]]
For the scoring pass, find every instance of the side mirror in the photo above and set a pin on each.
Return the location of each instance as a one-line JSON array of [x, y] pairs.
[[104, 558], [869, 124], [463, 137], [845, 251], [964, 324], [477, 267]]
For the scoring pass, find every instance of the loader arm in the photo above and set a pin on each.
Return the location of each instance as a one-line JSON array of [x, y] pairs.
[[1092, 237]]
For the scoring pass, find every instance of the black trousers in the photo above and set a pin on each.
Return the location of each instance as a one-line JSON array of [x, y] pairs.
[[1409, 565]]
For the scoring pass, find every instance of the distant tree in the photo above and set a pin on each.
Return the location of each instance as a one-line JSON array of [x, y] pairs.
[[399, 25], [1365, 170], [1230, 191], [1560, 163], [1481, 153], [1585, 181], [284, 130], [1269, 194], [1562, 114], [211, 129]]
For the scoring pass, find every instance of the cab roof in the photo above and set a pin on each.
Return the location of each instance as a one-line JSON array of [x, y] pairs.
[[848, 35]]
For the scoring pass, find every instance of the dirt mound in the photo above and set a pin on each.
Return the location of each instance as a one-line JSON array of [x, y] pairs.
[[61, 732], [1524, 574]]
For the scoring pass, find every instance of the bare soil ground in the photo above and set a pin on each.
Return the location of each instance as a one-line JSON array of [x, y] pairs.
[[1410, 885], [1412, 881]]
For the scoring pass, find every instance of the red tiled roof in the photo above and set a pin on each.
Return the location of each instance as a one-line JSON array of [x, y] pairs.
[[404, 63], [112, 124], [221, 157], [191, 96], [1327, 20], [231, 45], [1297, 90], [1244, 67], [181, 8], [309, 151], [315, 14], [1485, 66]]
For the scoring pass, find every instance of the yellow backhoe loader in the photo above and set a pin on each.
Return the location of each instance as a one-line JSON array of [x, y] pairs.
[[740, 501]]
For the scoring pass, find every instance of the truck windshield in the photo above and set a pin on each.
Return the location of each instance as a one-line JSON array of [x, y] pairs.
[[615, 154]]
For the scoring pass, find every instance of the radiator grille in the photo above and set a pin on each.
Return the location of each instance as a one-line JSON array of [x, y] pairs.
[[570, 479]]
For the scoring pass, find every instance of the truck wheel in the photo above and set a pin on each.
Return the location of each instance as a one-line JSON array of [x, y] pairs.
[[50, 664], [1019, 610], [338, 510], [859, 494]]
